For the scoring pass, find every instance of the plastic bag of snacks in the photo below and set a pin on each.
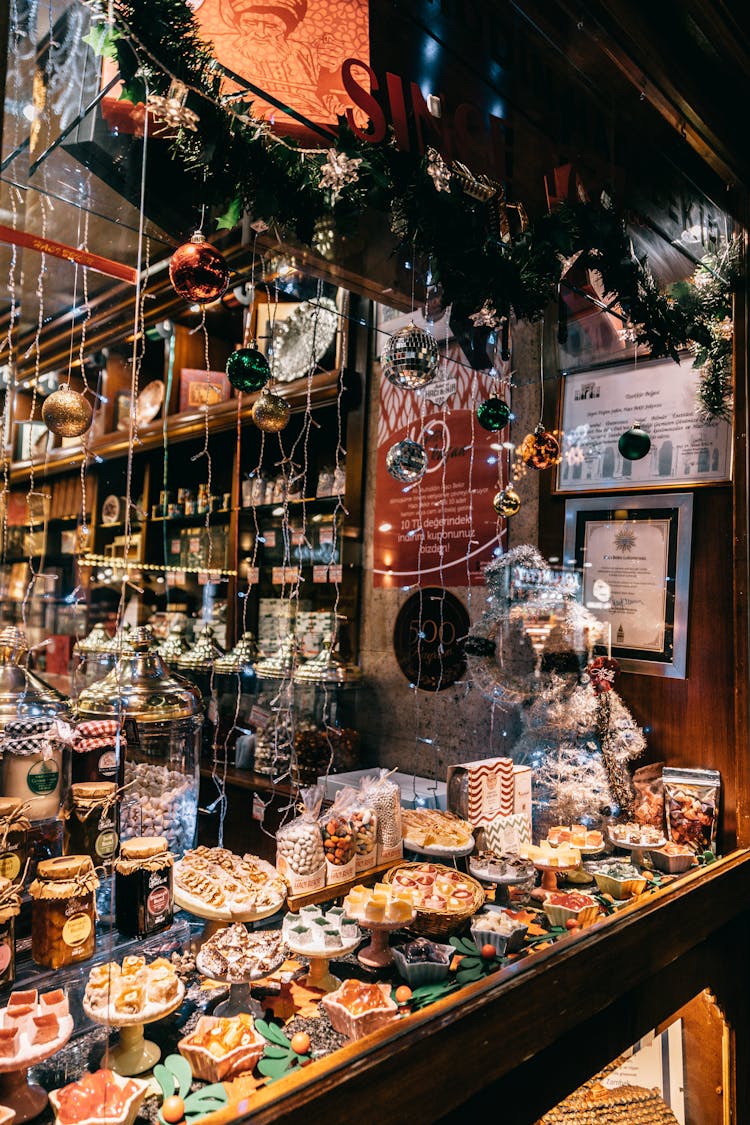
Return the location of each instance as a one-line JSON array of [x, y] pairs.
[[648, 803], [299, 846], [384, 796], [691, 799], [339, 846], [365, 823]]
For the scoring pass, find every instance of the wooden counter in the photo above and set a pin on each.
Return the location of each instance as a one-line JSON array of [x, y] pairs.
[[513, 1045]]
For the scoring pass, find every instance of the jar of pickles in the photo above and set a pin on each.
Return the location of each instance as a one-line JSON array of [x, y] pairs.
[[14, 829], [144, 899], [63, 914], [92, 825]]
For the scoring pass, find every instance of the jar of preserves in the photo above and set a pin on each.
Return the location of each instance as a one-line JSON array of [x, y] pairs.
[[14, 829], [10, 908], [63, 914], [161, 716], [144, 898], [97, 754], [92, 822], [326, 738], [33, 717]]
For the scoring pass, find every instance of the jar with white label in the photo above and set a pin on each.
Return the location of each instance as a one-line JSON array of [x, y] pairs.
[[14, 829], [33, 765], [63, 913], [92, 823]]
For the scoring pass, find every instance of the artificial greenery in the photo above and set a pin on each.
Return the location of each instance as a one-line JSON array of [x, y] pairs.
[[278, 1057], [174, 1076], [234, 163]]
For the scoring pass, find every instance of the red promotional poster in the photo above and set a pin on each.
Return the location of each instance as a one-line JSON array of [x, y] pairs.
[[443, 530]]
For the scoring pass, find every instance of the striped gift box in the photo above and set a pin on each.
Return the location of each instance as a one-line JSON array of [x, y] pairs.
[[507, 833]]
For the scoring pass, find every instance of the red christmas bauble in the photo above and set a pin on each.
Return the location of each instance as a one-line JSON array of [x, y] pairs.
[[198, 272]]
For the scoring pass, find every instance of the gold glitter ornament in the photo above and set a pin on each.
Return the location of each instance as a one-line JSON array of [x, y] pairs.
[[540, 450], [506, 502], [67, 413], [270, 412]]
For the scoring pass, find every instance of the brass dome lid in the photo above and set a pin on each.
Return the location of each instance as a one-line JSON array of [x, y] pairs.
[[328, 667], [22, 693], [281, 665], [140, 687], [205, 651], [243, 655], [96, 641]]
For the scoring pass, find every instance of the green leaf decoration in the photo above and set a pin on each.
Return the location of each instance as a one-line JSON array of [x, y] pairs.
[[166, 1080], [231, 217], [464, 946], [275, 1068], [213, 1093], [183, 1075], [429, 993], [273, 1033], [274, 1052], [101, 39]]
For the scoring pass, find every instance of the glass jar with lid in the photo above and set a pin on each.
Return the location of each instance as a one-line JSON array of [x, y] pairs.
[[273, 713], [10, 908], [93, 657], [33, 722], [236, 687], [161, 715], [63, 913], [14, 838], [143, 887], [326, 738], [92, 822]]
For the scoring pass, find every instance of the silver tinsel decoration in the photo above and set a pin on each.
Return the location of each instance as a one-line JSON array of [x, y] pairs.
[[438, 170], [406, 461], [410, 358], [171, 111], [338, 170]]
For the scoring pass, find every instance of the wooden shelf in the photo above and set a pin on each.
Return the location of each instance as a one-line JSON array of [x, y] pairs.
[[182, 427], [327, 894]]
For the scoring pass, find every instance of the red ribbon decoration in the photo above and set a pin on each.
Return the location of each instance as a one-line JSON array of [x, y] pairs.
[[60, 250]]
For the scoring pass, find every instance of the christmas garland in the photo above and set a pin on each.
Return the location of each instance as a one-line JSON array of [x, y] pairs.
[[457, 222]]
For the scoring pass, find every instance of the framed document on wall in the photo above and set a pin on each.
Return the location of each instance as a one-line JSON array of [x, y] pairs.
[[634, 553], [600, 404]]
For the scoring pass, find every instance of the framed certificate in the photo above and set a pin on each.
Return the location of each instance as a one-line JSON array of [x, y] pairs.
[[598, 405], [634, 553]]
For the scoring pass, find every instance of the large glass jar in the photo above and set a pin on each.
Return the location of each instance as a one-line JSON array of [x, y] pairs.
[[93, 658], [35, 760], [273, 713], [162, 720], [236, 687], [326, 738]]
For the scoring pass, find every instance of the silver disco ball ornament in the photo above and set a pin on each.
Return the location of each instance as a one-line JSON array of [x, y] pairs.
[[406, 461], [410, 358]]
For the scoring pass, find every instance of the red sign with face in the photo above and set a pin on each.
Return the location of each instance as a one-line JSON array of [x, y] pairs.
[[443, 530]]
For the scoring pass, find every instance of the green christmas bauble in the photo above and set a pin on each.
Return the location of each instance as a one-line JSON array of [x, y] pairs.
[[248, 370], [634, 443], [493, 414]]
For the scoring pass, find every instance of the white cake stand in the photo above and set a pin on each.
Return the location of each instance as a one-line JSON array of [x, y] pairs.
[[319, 975], [438, 852], [240, 998], [637, 851], [133, 1053], [26, 1099]]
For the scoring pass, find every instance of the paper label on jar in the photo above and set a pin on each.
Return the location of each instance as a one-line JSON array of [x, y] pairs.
[[76, 930], [10, 865], [106, 844], [159, 901], [340, 873], [43, 777], [6, 954], [107, 765]]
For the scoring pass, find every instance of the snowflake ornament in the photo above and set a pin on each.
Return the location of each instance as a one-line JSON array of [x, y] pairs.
[[486, 317], [338, 170], [438, 170]]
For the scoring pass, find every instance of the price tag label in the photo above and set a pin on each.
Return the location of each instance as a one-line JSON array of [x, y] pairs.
[[259, 717], [326, 535], [252, 575], [258, 808], [269, 538], [320, 574], [277, 575], [335, 573]]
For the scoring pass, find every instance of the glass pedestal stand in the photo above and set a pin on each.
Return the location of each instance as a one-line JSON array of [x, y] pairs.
[[26, 1099], [133, 1054]]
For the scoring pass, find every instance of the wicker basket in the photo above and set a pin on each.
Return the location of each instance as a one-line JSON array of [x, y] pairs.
[[440, 923], [595, 1104]]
